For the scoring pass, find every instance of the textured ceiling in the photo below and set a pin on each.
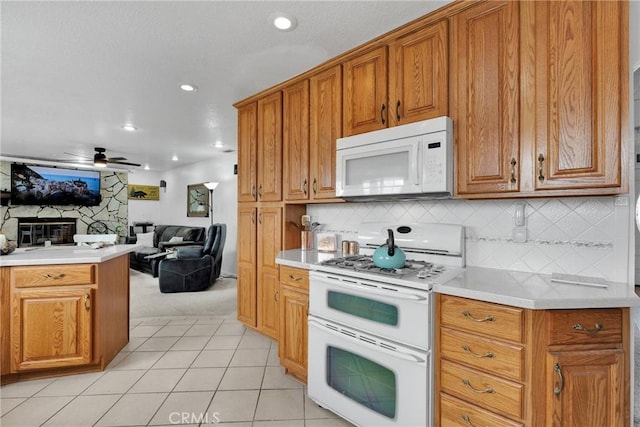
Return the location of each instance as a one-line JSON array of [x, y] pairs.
[[74, 72]]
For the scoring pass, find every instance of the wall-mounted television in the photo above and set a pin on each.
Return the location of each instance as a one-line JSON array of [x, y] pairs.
[[43, 185]]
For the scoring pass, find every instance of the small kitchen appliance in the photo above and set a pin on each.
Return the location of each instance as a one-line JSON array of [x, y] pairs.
[[408, 161], [371, 327]]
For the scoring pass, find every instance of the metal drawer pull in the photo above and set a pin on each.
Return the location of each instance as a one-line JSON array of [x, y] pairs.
[[382, 118], [479, 356], [467, 420], [557, 389], [54, 276], [579, 327], [513, 171], [540, 169], [87, 303], [295, 279], [486, 390], [486, 319]]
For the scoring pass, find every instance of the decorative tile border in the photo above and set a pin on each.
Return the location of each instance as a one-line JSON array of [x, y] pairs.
[[566, 243]]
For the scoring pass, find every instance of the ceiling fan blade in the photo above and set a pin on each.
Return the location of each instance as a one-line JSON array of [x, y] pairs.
[[123, 163], [78, 155], [115, 159]]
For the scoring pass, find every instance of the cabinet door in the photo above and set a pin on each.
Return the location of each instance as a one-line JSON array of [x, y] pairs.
[[365, 92], [269, 244], [418, 75], [292, 339], [295, 139], [325, 128], [51, 327], [581, 94], [247, 255], [485, 99], [270, 148], [247, 153], [586, 388]]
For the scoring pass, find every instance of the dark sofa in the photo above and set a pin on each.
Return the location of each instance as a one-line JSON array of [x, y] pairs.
[[161, 236]]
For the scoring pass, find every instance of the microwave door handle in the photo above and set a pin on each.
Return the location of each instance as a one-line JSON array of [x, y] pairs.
[[418, 154], [399, 354], [412, 297]]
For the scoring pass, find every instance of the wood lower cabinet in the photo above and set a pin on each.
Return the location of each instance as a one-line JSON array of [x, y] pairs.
[[63, 319], [51, 327], [247, 265], [269, 244], [294, 308], [552, 367]]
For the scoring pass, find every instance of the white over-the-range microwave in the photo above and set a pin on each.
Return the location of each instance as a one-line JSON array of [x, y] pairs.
[[408, 161]]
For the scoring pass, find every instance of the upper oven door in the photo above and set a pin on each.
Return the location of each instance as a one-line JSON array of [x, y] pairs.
[[393, 312], [381, 168]]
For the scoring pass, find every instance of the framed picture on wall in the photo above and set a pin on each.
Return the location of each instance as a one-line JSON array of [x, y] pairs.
[[197, 200], [144, 192]]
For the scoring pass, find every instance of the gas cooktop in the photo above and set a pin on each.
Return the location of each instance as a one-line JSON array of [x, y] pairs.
[[364, 263]]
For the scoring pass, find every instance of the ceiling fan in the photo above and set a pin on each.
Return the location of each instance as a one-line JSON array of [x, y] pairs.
[[100, 160]]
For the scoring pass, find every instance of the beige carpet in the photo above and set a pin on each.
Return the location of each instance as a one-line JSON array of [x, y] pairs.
[[148, 301]]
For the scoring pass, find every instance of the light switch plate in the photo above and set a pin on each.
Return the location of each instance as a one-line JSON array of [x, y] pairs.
[[519, 234]]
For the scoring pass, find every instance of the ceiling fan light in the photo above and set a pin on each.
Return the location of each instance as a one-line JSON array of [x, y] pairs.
[[100, 163]]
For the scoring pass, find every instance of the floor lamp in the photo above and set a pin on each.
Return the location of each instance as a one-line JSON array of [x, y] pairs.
[[211, 186]]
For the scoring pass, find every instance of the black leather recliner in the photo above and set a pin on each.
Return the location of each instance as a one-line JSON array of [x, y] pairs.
[[194, 268]]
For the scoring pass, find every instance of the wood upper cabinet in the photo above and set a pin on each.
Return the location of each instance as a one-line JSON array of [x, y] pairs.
[[270, 148], [365, 92], [247, 153], [295, 138], [247, 256], [269, 244], [485, 58], [325, 128], [581, 92], [419, 76]]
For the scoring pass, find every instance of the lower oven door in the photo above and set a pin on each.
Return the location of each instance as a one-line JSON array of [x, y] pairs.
[[368, 381], [400, 314]]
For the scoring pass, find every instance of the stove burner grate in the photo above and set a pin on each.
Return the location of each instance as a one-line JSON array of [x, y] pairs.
[[365, 263]]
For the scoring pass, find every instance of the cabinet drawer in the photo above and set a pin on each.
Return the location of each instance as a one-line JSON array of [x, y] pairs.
[[500, 358], [455, 412], [585, 326], [485, 390], [52, 275], [492, 320], [296, 277]]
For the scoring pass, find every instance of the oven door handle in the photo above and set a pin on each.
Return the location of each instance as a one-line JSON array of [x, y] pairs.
[[390, 294], [362, 343]]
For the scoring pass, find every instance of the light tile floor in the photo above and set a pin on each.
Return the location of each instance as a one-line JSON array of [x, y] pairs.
[[192, 371]]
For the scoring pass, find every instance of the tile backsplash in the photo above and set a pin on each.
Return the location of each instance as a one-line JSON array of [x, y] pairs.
[[566, 235]]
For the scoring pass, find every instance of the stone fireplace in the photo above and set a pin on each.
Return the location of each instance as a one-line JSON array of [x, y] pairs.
[[37, 231]]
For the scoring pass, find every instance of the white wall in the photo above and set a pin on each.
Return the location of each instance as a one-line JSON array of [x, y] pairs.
[[172, 207]]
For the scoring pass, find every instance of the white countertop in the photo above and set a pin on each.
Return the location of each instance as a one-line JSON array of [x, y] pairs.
[[535, 291], [63, 255], [515, 288]]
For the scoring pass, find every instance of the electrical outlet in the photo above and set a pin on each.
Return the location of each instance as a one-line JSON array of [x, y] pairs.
[[519, 234], [519, 214]]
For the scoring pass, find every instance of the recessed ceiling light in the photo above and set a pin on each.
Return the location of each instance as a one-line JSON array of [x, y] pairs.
[[284, 22], [146, 167], [188, 88], [218, 144], [129, 127], [174, 158]]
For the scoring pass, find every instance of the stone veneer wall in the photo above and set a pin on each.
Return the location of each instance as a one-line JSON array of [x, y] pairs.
[[113, 210]]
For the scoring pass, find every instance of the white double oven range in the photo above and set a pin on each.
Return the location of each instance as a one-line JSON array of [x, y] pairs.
[[371, 330]]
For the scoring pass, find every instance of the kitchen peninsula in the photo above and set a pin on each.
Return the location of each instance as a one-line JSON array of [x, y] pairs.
[[64, 310]]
